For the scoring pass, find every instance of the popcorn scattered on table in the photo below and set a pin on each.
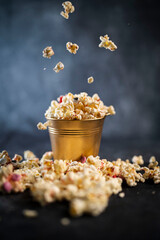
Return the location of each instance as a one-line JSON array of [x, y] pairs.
[[106, 43], [48, 52], [122, 194], [90, 80], [78, 106], [138, 160], [72, 47], [68, 8], [65, 221], [86, 184], [58, 67], [30, 213], [4, 157]]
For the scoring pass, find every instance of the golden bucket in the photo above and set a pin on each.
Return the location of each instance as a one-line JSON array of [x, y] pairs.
[[70, 139]]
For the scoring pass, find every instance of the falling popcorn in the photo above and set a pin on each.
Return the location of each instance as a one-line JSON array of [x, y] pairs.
[[72, 47], [48, 52], [68, 8], [58, 67], [90, 80], [106, 43], [42, 126]]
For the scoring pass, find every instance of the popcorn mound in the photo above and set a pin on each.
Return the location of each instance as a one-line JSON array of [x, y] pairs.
[[78, 106], [87, 184]]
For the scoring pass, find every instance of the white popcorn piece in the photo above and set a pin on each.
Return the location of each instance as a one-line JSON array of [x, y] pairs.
[[72, 47], [106, 43], [48, 53], [68, 8], [58, 67], [90, 80], [138, 160], [43, 126], [122, 195]]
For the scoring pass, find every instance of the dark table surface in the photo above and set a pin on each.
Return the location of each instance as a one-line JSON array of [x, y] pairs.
[[136, 216]]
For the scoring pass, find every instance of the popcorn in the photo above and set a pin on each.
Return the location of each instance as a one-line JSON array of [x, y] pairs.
[[30, 213], [58, 67], [72, 47], [138, 160], [4, 158], [65, 221], [29, 155], [122, 194], [7, 187], [43, 126], [68, 8], [78, 106], [87, 184], [48, 52], [90, 80], [17, 158], [106, 43]]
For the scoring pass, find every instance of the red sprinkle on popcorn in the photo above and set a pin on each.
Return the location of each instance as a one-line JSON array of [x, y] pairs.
[[7, 187], [114, 176], [102, 163], [15, 177], [83, 159], [60, 99]]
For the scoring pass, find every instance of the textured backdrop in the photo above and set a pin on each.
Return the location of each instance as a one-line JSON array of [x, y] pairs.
[[127, 78]]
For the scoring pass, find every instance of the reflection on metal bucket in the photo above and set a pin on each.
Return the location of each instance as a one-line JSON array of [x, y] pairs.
[[70, 139]]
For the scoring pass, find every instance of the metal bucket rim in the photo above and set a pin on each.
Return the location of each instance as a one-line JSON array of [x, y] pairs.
[[75, 120]]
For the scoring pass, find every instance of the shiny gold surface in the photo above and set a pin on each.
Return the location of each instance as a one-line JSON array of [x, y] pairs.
[[70, 139]]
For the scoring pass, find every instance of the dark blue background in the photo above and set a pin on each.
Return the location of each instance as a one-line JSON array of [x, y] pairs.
[[127, 78]]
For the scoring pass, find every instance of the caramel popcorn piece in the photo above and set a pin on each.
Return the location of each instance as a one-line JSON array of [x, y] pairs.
[[106, 43], [30, 213], [58, 67], [48, 52], [72, 47], [90, 80], [68, 8]]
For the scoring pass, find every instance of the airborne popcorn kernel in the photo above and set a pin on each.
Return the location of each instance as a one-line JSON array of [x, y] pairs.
[[106, 43], [58, 67], [68, 8], [90, 80], [48, 52], [72, 47], [42, 126]]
